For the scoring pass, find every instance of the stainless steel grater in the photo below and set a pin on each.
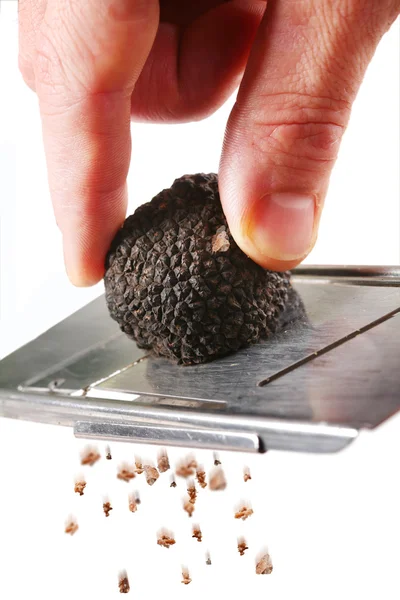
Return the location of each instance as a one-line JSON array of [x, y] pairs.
[[311, 388]]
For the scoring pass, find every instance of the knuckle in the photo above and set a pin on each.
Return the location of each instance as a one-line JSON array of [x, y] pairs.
[[56, 85], [61, 57], [66, 63], [48, 65], [303, 135], [137, 10], [26, 70], [315, 142], [30, 17]]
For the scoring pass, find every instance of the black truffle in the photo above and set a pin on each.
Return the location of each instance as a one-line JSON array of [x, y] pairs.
[[178, 284]]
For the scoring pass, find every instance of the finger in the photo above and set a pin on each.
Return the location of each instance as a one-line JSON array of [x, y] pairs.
[[192, 69], [89, 57], [283, 135], [30, 16]]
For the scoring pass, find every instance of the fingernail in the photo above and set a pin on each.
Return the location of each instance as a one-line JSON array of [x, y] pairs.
[[282, 226]]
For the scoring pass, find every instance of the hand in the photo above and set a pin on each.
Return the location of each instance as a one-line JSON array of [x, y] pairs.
[[97, 63]]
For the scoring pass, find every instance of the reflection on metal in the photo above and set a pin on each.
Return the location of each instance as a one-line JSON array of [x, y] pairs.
[[372, 275], [328, 348], [177, 436], [323, 378]]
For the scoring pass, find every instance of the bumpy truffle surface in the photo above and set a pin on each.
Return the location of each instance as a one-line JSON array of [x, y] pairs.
[[177, 283]]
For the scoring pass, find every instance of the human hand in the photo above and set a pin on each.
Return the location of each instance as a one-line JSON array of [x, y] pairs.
[[95, 64]]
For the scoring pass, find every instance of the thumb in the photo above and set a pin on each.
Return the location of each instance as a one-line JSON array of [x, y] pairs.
[[284, 131], [89, 56]]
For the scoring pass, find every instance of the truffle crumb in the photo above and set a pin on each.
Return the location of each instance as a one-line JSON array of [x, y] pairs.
[[173, 483], [201, 477], [187, 467], [71, 527], [132, 503], [151, 474], [192, 493], [243, 513], [220, 241], [246, 474], [197, 533], [89, 456], [208, 561], [242, 546], [165, 538], [107, 508], [108, 453], [184, 471], [126, 473], [216, 460], [79, 487], [264, 565], [123, 583], [217, 479], [188, 506], [185, 576], [163, 462], [139, 466]]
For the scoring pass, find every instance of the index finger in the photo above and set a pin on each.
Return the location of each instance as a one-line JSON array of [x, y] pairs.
[[89, 57]]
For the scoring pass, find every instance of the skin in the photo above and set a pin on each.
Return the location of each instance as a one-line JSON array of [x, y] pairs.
[[97, 64]]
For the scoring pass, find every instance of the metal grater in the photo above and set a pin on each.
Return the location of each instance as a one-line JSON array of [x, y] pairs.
[[311, 388]]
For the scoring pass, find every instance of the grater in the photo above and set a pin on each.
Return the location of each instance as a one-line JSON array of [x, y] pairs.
[[312, 387]]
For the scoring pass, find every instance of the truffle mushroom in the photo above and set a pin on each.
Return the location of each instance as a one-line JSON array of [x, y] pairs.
[[177, 283]]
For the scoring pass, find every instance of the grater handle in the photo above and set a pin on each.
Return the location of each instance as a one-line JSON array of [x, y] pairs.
[[173, 436]]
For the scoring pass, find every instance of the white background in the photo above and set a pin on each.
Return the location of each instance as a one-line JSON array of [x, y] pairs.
[[332, 523]]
